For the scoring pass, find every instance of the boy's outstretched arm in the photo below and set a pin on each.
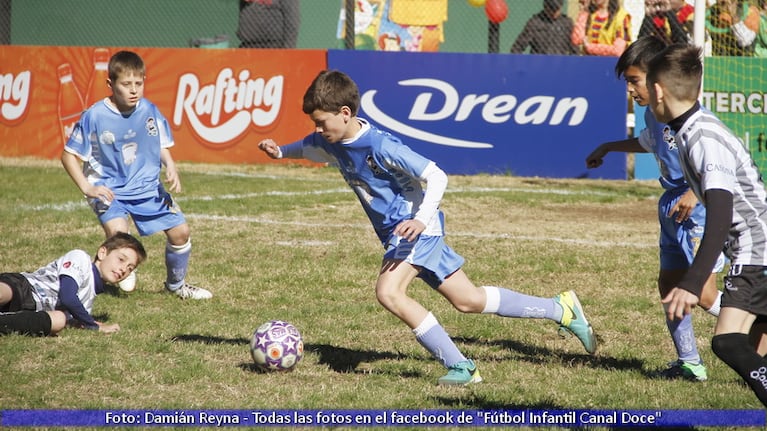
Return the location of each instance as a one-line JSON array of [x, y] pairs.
[[595, 159]]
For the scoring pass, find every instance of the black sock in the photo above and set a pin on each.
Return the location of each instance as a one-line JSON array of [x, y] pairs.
[[735, 351], [35, 323]]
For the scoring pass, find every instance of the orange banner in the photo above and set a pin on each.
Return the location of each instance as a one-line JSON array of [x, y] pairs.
[[218, 102]]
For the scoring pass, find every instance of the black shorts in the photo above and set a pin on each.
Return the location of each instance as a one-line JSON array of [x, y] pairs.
[[22, 293], [745, 288]]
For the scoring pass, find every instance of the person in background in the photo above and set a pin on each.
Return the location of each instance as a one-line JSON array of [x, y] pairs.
[[546, 32], [760, 45], [603, 27], [733, 26], [269, 23], [671, 21], [66, 288]]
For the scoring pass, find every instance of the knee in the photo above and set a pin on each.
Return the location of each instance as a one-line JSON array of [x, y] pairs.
[[58, 321], [179, 235], [730, 347], [388, 296], [5, 294]]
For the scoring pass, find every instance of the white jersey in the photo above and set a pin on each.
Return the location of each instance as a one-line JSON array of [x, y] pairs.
[[713, 157], [45, 281]]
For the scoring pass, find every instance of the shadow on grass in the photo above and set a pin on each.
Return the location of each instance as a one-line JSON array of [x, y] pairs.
[[536, 354], [339, 359], [343, 360]]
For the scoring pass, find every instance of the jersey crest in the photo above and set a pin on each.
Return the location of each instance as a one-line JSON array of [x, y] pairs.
[[668, 138]]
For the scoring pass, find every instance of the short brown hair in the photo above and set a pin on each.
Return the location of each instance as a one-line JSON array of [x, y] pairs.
[[330, 91], [125, 240], [679, 69], [125, 61]]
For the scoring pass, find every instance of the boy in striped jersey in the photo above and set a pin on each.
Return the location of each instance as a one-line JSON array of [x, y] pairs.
[[680, 215], [719, 169]]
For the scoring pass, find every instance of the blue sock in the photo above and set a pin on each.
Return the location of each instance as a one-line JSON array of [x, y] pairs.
[[177, 263], [508, 303], [433, 337], [683, 335]]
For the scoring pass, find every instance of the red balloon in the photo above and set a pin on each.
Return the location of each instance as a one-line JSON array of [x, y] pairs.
[[496, 10]]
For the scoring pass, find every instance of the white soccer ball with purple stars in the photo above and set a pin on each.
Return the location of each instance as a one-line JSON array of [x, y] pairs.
[[276, 346]]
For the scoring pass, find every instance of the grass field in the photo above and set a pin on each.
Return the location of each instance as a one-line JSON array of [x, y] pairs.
[[291, 243]]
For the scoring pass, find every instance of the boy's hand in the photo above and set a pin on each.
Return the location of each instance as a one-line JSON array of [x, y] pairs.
[[684, 206], [270, 148], [595, 159], [680, 303], [409, 229], [102, 193], [108, 329], [172, 179]]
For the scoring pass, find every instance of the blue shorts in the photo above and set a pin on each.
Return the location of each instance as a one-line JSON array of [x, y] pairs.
[[680, 241], [436, 259], [150, 215]]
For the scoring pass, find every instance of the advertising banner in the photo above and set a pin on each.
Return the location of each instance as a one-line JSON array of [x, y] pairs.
[[734, 90], [219, 102], [524, 115]]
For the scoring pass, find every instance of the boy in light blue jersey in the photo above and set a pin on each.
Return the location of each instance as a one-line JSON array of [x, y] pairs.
[[719, 169], [681, 216], [115, 155], [388, 179]]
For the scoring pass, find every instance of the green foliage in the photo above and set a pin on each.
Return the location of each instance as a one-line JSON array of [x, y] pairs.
[[291, 243]]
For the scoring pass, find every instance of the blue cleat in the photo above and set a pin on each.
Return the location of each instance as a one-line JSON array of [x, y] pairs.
[[462, 373]]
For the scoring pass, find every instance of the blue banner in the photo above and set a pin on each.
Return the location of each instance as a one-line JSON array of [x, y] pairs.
[[370, 418], [525, 115]]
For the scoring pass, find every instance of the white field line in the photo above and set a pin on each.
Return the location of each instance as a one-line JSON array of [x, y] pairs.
[[260, 220], [75, 205]]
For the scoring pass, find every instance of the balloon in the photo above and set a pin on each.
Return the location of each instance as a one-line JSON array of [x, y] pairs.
[[496, 10], [476, 3]]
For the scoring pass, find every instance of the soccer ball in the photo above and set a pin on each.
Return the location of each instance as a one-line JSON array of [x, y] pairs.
[[276, 346]]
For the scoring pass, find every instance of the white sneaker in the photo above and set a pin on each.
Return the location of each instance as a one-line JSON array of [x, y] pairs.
[[188, 291], [128, 283]]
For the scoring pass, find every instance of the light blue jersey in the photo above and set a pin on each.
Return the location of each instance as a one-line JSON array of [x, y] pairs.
[[665, 152], [387, 177], [122, 152], [678, 241], [384, 173]]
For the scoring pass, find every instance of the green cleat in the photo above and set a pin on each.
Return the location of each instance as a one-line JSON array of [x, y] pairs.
[[685, 370], [574, 320], [462, 373]]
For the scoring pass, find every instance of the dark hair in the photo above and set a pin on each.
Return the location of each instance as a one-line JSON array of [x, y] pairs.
[[330, 91], [639, 54], [125, 240], [124, 61], [612, 8], [552, 5], [679, 68]]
